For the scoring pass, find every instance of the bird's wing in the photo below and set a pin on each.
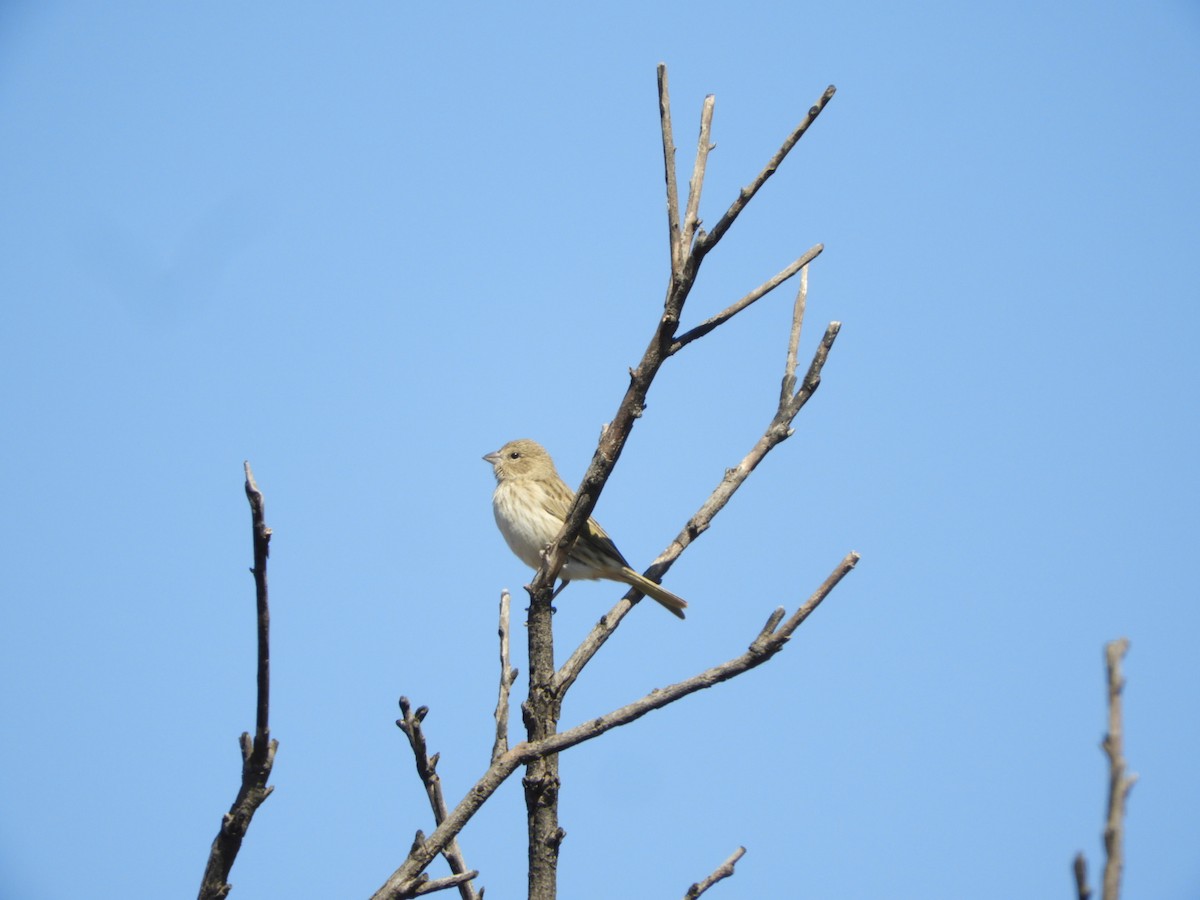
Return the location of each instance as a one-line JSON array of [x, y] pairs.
[[559, 504], [595, 536]]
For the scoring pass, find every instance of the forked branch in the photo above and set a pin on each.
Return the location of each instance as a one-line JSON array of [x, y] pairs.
[[769, 641], [777, 431], [747, 193], [685, 266]]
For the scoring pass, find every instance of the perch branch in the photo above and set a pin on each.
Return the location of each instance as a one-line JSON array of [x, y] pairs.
[[725, 870], [762, 648], [258, 754], [508, 675], [410, 724]]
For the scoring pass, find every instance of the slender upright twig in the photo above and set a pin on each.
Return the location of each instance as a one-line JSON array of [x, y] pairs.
[[691, 219], [1120, 782], [508, 675], [258, 754], [668, 145], [788, 385]]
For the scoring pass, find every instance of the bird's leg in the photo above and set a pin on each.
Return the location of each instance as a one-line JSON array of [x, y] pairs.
[[559, 589]]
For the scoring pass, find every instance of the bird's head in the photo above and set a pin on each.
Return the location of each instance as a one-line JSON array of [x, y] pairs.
[[521, 459]]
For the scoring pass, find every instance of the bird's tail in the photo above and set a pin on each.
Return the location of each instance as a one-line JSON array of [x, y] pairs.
[[674, 604]]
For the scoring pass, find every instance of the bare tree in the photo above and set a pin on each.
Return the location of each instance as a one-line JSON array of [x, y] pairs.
[[688, 245]]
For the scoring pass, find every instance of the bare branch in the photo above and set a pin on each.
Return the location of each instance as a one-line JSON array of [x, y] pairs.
[[725, 870], [777, 431], [703, 146], [508, 675], [612, 440], [1119, 780], [757, 294], [410, 724], [258, 755], [668, 142], [747, 193], [762, 649]]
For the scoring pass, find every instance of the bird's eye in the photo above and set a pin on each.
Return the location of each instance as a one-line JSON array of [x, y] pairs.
[[516, 454]]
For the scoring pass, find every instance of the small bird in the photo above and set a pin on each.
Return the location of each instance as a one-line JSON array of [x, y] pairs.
[[531, 503]]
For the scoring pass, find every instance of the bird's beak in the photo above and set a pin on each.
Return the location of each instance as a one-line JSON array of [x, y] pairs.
[[493, 457]]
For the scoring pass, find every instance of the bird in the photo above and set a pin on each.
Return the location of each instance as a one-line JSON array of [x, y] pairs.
[[531, 503]]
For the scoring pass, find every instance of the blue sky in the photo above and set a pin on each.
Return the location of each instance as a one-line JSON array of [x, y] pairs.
[[361, 246]]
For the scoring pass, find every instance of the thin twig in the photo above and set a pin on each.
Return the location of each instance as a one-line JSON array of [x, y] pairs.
[[747, 193], [704, 146], [668, 145], [508, 675], [757, 294], [410, 724], [725, 870], [258, 754], [1120, 781], [763, 648], [777, 431]]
